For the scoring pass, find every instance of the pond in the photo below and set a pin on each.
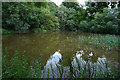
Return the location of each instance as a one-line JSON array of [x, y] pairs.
[[52, 47]]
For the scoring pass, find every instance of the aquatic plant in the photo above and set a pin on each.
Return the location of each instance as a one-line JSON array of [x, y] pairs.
[[14, 67], [103, 41], [18, 67], [78, 68]]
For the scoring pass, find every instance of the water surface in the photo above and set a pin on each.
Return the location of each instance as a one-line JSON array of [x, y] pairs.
[[51, 47]]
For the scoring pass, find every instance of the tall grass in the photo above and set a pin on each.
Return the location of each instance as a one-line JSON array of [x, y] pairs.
[[105, 42], [86, 69], [18, 67]]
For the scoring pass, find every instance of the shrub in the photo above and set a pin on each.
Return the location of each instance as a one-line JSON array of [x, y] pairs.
[[84, 26], [22, 17], [105, 22]]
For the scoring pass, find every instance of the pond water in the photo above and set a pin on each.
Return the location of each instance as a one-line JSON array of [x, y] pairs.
[[52, 47]]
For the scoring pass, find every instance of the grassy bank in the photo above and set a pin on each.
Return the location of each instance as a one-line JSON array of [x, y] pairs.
[[103, 41], [19, 67]]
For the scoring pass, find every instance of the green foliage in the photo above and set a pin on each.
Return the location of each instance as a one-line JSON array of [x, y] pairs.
[[75, 5], [105, 42], [48, 21], [40, 4], [38, 30], [22, 17], [15, 15], [84, 26], [67, 19], [96, 6], [16, 67], [81, 14], [105, 22], [52, 7], [93, 7], [4, 31]]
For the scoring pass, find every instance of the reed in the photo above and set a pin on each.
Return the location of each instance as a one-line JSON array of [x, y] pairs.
[[103, 41]]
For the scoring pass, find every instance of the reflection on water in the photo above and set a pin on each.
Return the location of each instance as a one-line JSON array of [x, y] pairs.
[[79, 65], [52, 64], [52, 47], [87, 67], [53, 60]]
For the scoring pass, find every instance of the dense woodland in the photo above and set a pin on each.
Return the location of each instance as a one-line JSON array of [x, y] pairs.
[[23, 17]]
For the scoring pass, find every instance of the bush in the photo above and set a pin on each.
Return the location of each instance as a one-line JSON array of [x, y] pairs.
[[84, 26], [105, 22], [14, 16], [4, 31], [66, 18], [22, 17], [19, 67]]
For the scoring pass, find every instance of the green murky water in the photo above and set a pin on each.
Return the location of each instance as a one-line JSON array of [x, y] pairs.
[[50, 47]]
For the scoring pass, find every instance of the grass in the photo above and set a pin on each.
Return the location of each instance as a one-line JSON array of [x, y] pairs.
[[18, 67], [103, 41]]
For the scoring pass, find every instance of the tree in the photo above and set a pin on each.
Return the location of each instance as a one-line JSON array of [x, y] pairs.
[[52, 7], [75, 5], [93, 7], [81, 14], [14, 16], [105, 22], [48, 21], [66, 18], [40, 4], [22, 17]]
